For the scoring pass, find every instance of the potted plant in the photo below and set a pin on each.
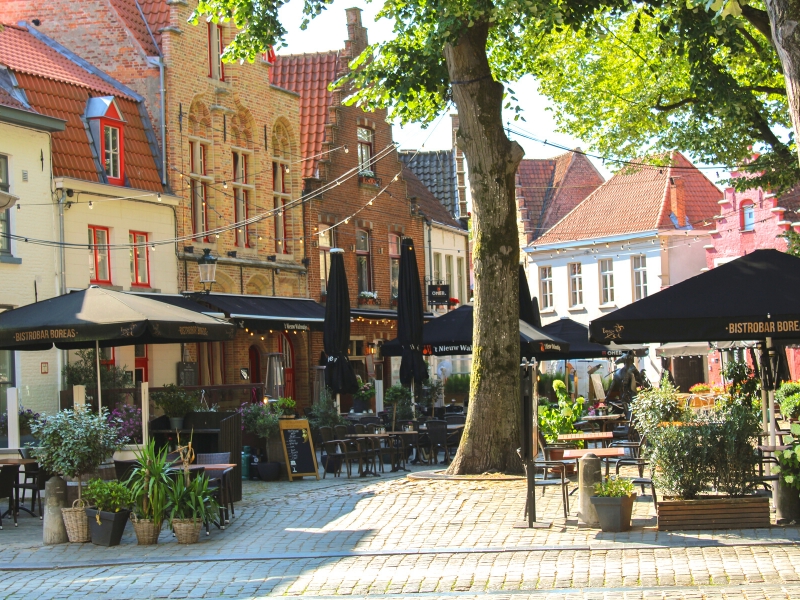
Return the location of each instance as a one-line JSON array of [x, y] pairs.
[[368, 298], [176, 403], [324, 413], [26, 418], [128, 419], [111, 501], [71, 444], [399, 398], [613, 500], [148, 483], [261, 420], [786, 494], [190, 503], [286, 407], [362, 399], [560, 417]]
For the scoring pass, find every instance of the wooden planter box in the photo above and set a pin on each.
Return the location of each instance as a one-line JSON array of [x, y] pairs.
[[714, 513]]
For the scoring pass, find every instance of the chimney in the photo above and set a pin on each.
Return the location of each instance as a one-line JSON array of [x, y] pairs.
[[460, 170], [677, 200], [356, 40]]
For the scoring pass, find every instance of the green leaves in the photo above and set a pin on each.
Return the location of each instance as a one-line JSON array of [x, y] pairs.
[[561, 417], [194, 500], [789, 466], [176, 401], [614, 487], [108, 496]]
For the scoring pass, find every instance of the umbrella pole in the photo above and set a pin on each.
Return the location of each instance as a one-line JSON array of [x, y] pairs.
[[97, 361], [771, 392]]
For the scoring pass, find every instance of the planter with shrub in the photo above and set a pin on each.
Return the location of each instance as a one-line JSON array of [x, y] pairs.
[[110, 503], [149, 482], [71, 444], [190, 503], [613, 500], [261, 420]]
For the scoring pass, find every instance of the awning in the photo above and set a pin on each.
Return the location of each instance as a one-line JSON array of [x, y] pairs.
[[379, 314], [181, 302], [676, 349], [269, 312]]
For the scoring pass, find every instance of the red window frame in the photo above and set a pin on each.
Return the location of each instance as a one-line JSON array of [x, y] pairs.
[[93, 229], [114, 124], [107, 363], [132, 235]]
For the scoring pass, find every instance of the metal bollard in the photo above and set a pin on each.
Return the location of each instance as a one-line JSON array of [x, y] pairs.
[[55, 498], [590, 473]]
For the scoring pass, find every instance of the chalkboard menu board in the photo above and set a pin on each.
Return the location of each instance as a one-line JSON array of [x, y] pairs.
[[298, 449]]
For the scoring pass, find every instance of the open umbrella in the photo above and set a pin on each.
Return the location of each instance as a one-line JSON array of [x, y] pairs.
[[97, 317], [577, 334], [751, 298], [339, 375], [410, 317], [451, 334]]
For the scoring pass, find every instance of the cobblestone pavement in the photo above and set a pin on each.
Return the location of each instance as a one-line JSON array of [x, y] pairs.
[[392, 537]]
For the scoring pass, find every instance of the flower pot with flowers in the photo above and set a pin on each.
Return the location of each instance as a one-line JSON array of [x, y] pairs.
[[453, 302], [71, 444], [362, 399], [368, 298], [26, 418], [261, 420], [128, 419]]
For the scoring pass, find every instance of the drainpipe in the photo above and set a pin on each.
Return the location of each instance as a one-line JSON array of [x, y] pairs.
[[62, 260], [429, 223]]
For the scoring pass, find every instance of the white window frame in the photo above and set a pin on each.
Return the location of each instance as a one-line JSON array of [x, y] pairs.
[[366, 150], [606, 268], [575, 272], [112, 157], [199, 150], [5, 215], [546, 287], [325, 256], [460, 270], [138, 254], [281, 194], [748, 224], [639, 267], [243, 193], [437, 268]]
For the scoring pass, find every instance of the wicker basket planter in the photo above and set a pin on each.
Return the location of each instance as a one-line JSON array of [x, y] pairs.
[[713, 513], [187, 531], [76, 522], [146, 531]]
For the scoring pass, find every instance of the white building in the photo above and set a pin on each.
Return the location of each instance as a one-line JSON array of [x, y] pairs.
[[641, 231]]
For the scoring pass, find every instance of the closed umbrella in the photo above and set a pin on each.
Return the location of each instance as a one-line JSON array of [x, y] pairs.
[[527, 311], [410, 317], [339, 375]]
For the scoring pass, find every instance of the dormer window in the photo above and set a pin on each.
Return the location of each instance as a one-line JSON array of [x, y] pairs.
[[108, 133]]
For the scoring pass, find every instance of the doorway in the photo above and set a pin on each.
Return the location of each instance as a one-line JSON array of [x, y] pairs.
[[285, 347], [255, 364]]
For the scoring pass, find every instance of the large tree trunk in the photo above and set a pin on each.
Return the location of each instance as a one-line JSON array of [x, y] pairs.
[[784, 16], [492, 433]]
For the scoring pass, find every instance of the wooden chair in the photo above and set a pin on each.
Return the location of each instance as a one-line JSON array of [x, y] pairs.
[[9, 479], [455, 419], [435, 439]]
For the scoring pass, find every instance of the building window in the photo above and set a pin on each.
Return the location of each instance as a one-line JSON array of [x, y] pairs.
[[280, 189], [639, 277], [437, 268], [243, 192], [460, 268], [363, 261], [107, 358], [5, 229], [7, 371], [216, 70], [199, 179], [112, 154], [140, 264], [365, 149], [394, 264], [606, 281], [325, 244], [748, 217], [448, 271], [99, 267], [546, 287], [575, 285]]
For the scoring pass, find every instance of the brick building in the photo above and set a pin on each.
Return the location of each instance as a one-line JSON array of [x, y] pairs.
[[231, 152], [363, 206]]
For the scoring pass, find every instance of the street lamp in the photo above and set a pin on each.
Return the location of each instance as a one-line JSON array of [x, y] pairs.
[[208, 269]]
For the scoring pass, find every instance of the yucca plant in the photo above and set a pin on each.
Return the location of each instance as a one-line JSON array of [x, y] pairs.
[[149, 483], [193, 501]]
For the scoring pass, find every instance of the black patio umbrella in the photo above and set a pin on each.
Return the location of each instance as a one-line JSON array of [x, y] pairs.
[[537, 314], [451, 334], [97, 317], [577, 334], [339, 375], [751, 298], [410, 317]]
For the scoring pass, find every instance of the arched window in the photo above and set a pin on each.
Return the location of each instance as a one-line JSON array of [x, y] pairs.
[[748, 217]]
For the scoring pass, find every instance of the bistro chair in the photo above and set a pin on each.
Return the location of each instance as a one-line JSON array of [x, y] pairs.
[[548, 467], [221, 478], [34, 480], [455, 419], [436, 439], [372, 420], [641, 480], [353, 449]]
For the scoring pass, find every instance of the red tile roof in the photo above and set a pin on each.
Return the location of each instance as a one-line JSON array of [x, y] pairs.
[[309, 76], [157, 14], [428, 204], [637, 199], [58, 87], [547, 189], [7, 99]]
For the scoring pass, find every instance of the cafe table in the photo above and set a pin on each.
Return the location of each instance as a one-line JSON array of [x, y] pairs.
[[603, 420], [584, 436]]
